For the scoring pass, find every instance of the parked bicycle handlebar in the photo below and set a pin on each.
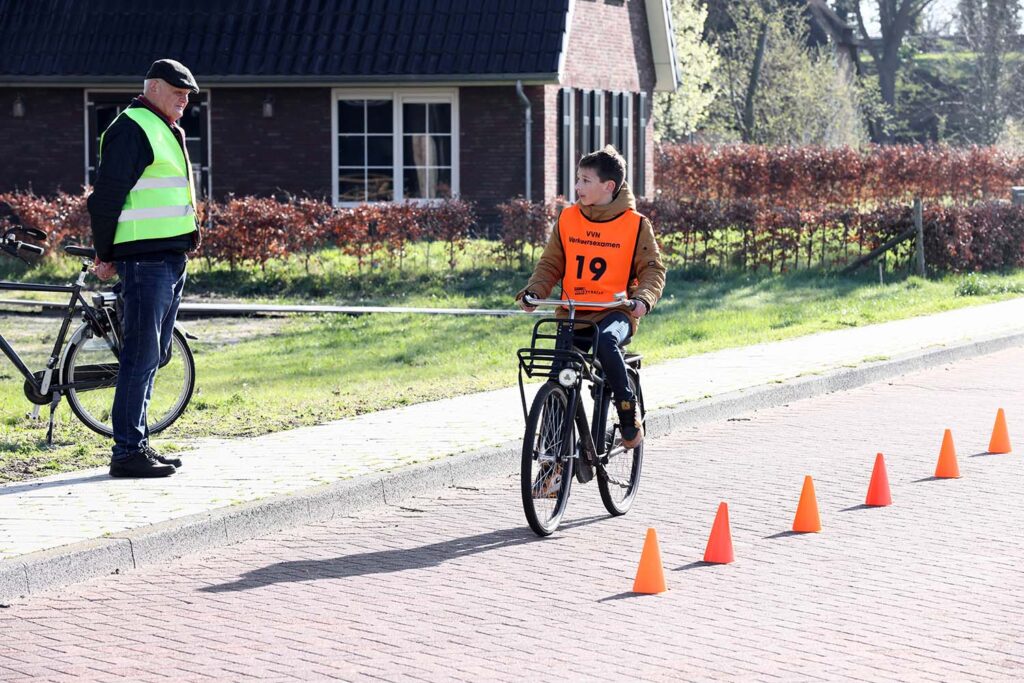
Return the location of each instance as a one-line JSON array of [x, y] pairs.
[[13, 246], [620, 300]]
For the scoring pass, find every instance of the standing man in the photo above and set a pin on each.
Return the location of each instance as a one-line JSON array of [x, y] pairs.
[[143, 223]]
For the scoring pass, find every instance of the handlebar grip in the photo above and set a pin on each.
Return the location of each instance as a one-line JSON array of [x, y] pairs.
[[31, 248]]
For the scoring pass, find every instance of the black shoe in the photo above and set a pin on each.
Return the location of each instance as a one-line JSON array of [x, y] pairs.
[[139, 465], [629, 424], [160, 458]]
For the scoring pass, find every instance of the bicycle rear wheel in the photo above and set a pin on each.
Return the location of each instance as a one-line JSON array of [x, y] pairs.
[[90, 360], [619, 479], [547, 465]]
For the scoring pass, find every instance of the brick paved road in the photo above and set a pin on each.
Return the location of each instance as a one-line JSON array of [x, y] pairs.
[[455, 587]]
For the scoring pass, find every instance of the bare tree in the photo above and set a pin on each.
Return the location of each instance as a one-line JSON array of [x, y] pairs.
[[989, 27], [895, 18]]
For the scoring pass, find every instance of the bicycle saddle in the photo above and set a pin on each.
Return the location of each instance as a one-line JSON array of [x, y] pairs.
[[75, 250]]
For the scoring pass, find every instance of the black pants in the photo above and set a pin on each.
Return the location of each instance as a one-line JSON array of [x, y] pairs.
[[613, 330]]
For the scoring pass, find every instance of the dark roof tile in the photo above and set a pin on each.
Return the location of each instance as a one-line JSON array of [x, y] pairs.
[[281, 38]]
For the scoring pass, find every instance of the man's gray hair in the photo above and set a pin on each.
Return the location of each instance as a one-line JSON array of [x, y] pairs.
[[149, 84]]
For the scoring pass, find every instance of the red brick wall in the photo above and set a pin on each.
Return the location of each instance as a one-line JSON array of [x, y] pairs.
[[491, 146], [290, 152], [610, 49], [45, 150]]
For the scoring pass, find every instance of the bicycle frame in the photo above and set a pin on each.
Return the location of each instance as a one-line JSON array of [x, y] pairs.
[[43, 383], [551, 362]]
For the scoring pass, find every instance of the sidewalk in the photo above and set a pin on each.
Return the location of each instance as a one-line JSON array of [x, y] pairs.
[[212, 499]]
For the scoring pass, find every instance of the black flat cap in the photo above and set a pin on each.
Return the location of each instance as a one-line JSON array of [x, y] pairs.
[[175, 73]]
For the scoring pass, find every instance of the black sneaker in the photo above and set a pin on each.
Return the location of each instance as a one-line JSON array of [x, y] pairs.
[[140, 465], [629, 423], [151, 452]]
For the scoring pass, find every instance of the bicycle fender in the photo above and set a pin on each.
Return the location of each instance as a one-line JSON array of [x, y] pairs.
[[185, 333]]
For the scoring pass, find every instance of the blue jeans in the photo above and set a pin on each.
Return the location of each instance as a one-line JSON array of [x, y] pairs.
[[151, 291], [613, 330]]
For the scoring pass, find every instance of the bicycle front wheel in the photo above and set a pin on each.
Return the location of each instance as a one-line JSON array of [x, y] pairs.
[[619, 479], [91, 363], [547, 464]]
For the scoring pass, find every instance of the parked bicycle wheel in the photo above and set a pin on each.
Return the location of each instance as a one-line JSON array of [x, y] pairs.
[[547, 464], [620, 479], [91, 361]]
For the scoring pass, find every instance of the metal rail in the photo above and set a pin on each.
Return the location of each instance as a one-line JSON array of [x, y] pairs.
[[200, 310]]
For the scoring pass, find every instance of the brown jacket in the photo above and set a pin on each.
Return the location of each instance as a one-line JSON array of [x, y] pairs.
[[647, 267]]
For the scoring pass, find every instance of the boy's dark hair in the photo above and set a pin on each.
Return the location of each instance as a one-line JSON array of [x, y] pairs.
[[608, 163]]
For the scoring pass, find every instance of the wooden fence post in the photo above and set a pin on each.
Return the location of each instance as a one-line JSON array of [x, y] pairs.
[[919, 227]]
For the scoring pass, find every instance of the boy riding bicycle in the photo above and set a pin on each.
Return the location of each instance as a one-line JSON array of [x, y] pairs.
[[600, 247]]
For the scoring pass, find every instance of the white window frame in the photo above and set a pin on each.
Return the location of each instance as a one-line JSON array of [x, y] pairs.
[[398, 97]]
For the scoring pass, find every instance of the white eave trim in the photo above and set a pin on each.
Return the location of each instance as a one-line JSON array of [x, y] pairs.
[[663, 49], [565, 41]]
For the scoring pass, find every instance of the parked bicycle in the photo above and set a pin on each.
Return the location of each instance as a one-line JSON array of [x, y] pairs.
[[559, 444], [85, 368]]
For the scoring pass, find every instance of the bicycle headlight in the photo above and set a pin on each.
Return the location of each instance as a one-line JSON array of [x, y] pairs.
[[567, 377]]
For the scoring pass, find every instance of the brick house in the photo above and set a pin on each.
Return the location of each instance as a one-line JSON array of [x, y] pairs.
[[357, 100]]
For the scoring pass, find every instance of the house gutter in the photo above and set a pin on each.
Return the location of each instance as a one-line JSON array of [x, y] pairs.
[[528, 114]]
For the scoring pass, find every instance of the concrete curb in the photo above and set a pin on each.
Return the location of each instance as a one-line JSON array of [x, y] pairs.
[[165, 541]]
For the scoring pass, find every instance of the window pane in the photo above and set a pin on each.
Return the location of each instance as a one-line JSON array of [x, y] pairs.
[[443, 186], [350, 116], [414, 118], [441, 150], [380, 186], [195, 150], [440, 118], [379, 150], [350, 150], [415, 182], [351, 186], [378, 116], [417, 150]]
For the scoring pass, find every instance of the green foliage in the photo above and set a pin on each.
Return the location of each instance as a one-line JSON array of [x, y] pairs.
[[799, 96], [679, 113]]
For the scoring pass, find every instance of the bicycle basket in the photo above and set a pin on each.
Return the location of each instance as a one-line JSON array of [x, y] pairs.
[[551, 352]]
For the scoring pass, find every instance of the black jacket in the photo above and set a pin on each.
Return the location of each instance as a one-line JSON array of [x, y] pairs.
[[125, 155]]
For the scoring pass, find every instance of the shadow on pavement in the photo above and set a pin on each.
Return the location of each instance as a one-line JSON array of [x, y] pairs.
[[387, 561], [862, 506], [785, 534], [29, 486], [978, 455], [696, 565], [628, 594]]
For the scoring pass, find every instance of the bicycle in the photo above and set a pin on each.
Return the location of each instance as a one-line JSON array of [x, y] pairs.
[[558, 443], [85, 369]]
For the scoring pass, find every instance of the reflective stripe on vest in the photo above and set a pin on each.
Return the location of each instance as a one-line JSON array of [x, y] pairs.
[[162, 203], [598, 255]]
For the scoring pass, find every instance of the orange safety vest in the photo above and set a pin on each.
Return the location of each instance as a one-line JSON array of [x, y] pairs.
[[598, 255]]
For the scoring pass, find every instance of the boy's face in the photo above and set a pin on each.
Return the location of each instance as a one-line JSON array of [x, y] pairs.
[[590, 190]]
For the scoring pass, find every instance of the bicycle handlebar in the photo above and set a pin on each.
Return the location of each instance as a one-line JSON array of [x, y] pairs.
[[12, 246], [532, 301]]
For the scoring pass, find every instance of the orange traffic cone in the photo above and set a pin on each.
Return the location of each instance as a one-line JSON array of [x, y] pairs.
[[947, 467], [650, 575], [1000, 441], [807, 519], [878, 489], [719, 550]]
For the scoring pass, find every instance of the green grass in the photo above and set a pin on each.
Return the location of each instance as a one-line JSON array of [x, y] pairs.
[[259, 376]]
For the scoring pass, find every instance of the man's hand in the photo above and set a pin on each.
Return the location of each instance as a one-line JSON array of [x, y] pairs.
[[522, 302], [104, 270], [639, 309]]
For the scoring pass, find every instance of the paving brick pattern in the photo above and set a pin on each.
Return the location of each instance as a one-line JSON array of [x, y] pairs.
[[455, 587], [85, 505]]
